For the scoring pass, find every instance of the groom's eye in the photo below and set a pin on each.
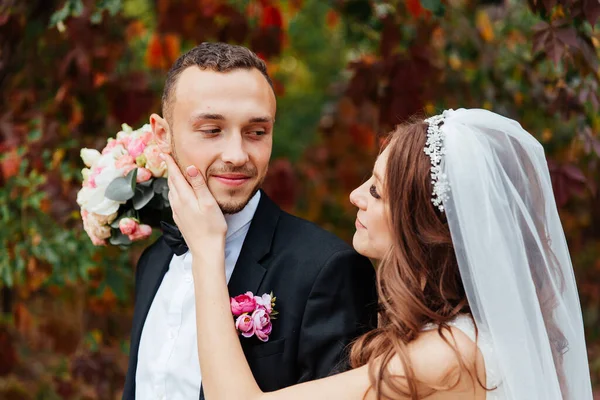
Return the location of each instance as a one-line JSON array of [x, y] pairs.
[[259, 132], [373, 191], [211, 131]]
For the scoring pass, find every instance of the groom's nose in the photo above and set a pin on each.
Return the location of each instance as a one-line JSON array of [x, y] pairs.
[[234, 152]]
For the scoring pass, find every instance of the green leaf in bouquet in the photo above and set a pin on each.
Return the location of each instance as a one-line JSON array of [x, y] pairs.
[[160, 186], [122, 189], [118, 239], [142, 196]]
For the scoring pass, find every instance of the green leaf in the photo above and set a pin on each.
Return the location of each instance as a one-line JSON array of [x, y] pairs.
[[71, 8], [142, 196], [34, 135], [59, 15], [96, 17], [435, 6], [160, 185], [122, 189], [118, 239]]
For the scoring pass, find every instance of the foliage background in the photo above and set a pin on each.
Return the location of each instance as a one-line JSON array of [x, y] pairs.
[[346, 71]]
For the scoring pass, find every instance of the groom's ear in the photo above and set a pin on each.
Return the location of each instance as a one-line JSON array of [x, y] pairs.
[[161, 132]]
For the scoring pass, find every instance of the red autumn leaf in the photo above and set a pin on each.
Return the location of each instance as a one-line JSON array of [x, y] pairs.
[[590, 142], [591, 10], [390, 36], [554, 39], [154, 53], [10, 164], [280, 183], [271, 16], [567, 181], [8, 354], [363, 136], [332, 19], [590, 94], [415, 8], [549, 4]]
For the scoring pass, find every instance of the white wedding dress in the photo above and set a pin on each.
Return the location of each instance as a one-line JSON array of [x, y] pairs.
[[484, 343]]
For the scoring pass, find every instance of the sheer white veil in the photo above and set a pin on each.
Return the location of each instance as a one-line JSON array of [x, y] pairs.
[[513, 256]]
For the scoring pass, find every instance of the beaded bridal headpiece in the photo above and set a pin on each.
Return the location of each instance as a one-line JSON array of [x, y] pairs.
[[434, 148]]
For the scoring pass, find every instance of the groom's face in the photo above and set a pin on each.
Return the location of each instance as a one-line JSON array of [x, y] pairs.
[[223, 124]]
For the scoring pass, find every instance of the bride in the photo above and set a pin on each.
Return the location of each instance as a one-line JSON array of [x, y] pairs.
[[476, 287]]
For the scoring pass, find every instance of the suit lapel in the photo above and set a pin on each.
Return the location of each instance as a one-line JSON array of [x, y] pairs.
[[249, 272], [155, 270]]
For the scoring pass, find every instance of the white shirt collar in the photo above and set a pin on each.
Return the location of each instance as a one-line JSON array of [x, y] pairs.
[[237, 221]]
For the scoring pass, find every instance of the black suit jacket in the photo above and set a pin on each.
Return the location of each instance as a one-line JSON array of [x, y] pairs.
[[325, 293]]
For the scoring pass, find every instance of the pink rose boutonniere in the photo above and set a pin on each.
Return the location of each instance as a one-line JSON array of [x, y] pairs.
[[254, 314]]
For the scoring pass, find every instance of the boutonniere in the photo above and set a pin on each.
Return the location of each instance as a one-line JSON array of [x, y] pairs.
[[253, 314]]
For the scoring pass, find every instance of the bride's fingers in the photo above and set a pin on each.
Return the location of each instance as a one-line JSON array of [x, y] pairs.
[[198, 183], [177, 181]]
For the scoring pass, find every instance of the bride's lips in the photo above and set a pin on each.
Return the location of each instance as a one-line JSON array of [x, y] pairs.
[[359, 224], [232, 179]]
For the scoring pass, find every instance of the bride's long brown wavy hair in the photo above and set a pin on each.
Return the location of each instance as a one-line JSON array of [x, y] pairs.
[[418, 280]]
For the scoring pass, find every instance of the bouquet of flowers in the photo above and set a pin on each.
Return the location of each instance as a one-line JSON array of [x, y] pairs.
[[119, 183]]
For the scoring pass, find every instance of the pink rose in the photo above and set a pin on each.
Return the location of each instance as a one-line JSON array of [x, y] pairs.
[[147, 136], [112, 143], [124, 141], [245, 325], [142, 232], [264, 302], [243, 303], [262, 324], [136, 147], [124, 162], [128, 226], [96, 226], [143, 175], [153, 161]]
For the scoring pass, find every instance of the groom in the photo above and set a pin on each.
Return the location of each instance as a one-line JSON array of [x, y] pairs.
[[218, 113]]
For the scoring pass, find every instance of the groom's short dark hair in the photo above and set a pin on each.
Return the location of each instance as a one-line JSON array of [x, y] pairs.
[[215, 56]]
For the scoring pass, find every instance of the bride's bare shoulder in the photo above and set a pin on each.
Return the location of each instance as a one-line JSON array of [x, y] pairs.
[[434, 357]]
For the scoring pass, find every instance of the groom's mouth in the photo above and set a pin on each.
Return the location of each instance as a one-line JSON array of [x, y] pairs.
[[232, 179]]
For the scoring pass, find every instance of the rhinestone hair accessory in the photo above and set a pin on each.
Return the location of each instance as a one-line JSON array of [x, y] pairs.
[[434, 148]]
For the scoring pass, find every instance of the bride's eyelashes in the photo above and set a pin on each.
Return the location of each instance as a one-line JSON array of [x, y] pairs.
[[373, 191]]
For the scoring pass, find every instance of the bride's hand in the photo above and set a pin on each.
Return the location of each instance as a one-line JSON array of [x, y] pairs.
[[195, 210]]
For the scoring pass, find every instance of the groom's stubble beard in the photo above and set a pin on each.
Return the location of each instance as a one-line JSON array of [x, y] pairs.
[[226, 208]]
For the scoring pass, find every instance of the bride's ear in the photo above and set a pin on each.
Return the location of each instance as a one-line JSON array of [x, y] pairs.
[[161, 132]]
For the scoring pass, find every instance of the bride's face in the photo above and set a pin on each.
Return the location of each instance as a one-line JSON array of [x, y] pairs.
[[373, 237]]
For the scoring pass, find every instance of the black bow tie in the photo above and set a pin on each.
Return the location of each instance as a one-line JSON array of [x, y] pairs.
[[174, 238]]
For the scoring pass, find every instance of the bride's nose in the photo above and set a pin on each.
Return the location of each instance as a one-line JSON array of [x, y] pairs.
[[357, 197]]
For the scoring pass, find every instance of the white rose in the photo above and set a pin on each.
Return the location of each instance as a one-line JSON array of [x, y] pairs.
[[126, 130], [97, 203], [92, 199], [89, 156]]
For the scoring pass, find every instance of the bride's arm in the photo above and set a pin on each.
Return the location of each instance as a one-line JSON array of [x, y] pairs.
[[225, 370]]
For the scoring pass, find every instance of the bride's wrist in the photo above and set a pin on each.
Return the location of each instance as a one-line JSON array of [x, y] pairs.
[[213, 252]]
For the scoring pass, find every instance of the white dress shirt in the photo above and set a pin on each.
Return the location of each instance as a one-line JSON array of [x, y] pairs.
[[168, 367]]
